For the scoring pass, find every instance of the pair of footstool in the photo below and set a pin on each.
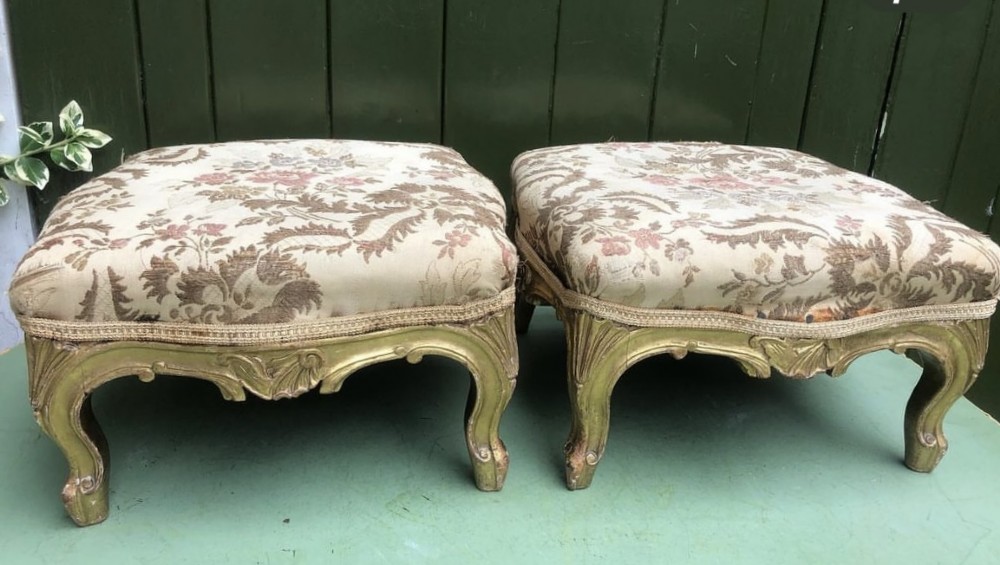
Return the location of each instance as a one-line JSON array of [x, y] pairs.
[[278, 267]]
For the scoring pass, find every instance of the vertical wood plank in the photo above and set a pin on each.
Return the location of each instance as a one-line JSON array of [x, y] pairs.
[[385, 60], [498, 80], [932, 85], [850, 77], [65, 50], [708, 69], [270, 64], [605, 70], [782, 83], [177, 71], [975, 177]]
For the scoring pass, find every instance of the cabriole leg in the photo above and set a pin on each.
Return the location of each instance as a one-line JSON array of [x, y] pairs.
[[596, 361], [493, 378], [61, 401], [946, 377]]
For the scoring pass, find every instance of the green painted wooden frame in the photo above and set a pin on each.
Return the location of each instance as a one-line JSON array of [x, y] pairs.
[[600, 351], [63, 375]]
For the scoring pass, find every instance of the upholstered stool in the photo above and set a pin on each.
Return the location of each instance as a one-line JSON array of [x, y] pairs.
[[273, 267], [768, 256]]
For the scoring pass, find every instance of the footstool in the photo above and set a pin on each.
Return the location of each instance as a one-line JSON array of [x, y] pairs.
[[273, 267], [768, 256]]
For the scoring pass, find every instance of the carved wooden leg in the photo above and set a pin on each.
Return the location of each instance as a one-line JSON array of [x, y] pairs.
[[68, 419], [60, 398], [590, 399], [597, 358], [494, 373], [947, 376]]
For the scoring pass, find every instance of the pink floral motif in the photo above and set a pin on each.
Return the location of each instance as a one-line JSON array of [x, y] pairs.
[[119, 243], [452, 240], [173, 231], [646, 238], [283, 177], [214, 230], [770, 180], [214, 179], [849, 225], [662, 180], [457, 238], [616, 245], [349, 181], [728, 182]]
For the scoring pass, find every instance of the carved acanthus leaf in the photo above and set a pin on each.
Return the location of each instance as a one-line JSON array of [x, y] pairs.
[[47, 360], [799, 358], [591, 339], [276, 375], [497, 333]]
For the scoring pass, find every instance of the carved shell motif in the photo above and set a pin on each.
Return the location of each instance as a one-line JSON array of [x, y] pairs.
[[277, 376]]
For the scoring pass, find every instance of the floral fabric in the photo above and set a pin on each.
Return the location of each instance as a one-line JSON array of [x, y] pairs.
[[763, 232], [269, 232]]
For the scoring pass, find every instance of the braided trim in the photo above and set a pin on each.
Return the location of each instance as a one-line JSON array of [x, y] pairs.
[[267, 334], [709, 320]]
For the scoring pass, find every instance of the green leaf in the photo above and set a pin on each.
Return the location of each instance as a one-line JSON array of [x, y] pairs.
[[93, 138], [79, 155], [58, 156], [34, 170], [10, 171], [3, 197], [28, 170], [34, 136], [71, 119], [28, 140]]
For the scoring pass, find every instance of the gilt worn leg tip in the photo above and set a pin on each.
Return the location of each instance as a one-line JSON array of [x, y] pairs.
[[580, 468], [86, 501], [490, 474], [924, 453]]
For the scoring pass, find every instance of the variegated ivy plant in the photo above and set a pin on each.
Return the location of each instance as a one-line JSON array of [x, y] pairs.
[[71, 153]]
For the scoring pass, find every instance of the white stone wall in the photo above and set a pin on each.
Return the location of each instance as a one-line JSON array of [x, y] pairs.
[[16, 230]]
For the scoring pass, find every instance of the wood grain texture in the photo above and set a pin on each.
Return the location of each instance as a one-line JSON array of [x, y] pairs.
[[270, 64], [385, 69], [975, 177], [499, 65], [708, 69], [177, 72], [975, 186], [933, 82], [849, 81], [605, 70], [782, 84]]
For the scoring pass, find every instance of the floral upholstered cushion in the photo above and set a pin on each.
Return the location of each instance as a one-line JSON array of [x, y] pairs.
[[269, 232], [769, 233]]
